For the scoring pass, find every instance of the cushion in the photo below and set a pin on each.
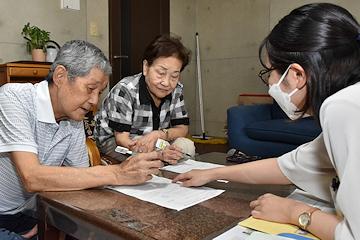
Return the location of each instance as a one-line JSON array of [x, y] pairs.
[[284, 131]]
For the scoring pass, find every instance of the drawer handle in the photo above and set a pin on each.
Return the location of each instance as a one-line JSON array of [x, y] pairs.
[[35, 72]]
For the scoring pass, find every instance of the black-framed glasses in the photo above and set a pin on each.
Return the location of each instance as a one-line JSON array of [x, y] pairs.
[[264, 75]]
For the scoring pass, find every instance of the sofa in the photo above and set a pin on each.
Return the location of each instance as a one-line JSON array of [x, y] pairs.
[[264, 130]]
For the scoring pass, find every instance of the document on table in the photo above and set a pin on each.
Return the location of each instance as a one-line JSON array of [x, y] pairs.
[[185, 166], [163, 192]]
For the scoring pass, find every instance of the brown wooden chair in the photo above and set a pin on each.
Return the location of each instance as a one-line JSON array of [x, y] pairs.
[[93, 151]]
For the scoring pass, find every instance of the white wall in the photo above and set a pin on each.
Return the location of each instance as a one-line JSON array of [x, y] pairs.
[[63, 25]]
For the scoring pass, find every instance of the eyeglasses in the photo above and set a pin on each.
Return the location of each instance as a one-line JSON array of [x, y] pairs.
[[265, 74]]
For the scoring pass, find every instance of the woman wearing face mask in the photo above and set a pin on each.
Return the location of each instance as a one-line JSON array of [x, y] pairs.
[[313, 66]]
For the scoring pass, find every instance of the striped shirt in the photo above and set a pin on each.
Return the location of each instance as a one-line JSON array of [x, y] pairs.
[[129, 107], [27, 123]]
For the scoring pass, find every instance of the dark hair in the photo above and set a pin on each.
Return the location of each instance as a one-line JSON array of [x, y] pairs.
[[79, 57], [323, 39], [166, 46]]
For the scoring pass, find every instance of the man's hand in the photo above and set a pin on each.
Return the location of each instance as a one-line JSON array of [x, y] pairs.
[[31, 233], [145, 143], [138, 169], [172, 154]]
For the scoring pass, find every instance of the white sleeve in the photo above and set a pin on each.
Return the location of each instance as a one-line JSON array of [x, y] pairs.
[[309, 167], [339, 117]]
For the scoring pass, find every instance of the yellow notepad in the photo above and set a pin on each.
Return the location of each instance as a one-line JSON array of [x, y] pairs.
[[273, 228]]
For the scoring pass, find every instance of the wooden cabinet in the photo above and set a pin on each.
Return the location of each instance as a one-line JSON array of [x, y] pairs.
[[21, 72]]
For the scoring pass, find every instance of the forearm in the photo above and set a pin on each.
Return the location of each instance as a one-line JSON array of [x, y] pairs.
[[122, 139], [176, 132], [52, 178], [264, 171]]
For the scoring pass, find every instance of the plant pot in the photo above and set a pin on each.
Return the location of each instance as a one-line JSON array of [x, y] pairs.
[[38, 55]]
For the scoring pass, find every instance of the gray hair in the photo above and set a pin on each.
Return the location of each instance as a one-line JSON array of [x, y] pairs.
[[79, 57]]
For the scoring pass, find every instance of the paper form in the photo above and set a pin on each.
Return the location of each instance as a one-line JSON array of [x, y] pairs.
[[185, 166], [163, 192], [235, 233]]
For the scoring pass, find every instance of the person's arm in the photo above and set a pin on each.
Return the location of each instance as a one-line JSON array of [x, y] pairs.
[[175, 132], [147, 142], [123, 139], [264, 171], [36, 178], [284, 210]]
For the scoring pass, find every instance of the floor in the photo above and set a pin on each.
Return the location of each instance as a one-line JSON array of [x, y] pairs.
[[202, 148]]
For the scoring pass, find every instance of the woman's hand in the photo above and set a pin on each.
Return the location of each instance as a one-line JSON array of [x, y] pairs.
[[172, 154], [194, 178], [276, 209]]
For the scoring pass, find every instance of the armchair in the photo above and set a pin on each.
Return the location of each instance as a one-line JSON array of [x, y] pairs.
[[264, 130]]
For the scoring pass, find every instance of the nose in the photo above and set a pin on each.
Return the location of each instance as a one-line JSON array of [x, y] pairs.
[[166, 81], [94, 98]]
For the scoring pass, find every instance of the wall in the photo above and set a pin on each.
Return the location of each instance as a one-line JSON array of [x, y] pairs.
[[230, 32], [63, 25]]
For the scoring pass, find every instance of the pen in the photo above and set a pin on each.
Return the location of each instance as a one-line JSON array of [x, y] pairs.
[[186, 154]]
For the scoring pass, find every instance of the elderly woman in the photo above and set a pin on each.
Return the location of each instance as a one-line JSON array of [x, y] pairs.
[[42, 129], [148, 106], [313, 66]]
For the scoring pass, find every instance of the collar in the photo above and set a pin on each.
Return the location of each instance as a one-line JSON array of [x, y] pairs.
[[144, 93], [45, 112]]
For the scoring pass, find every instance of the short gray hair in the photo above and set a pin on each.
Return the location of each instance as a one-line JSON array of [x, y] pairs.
[[79, 57]]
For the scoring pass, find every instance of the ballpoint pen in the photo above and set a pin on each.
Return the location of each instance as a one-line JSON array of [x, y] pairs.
[[124, 150]]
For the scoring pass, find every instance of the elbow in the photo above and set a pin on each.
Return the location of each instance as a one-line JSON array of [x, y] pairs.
[[30, 184]]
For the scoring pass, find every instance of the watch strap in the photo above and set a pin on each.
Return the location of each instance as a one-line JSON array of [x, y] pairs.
[[309, 213], [167, 133]]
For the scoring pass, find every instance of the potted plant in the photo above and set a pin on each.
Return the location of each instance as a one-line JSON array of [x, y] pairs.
[[37, 41]]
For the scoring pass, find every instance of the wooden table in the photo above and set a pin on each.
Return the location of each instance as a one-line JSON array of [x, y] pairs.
[[105, 214], [23, 71]]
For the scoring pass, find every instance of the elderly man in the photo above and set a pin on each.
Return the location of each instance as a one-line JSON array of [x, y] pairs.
[[41, 129]]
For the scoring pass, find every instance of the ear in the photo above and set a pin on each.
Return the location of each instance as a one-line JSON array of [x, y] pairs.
[[145, 67], [59, 75], [299, 75]]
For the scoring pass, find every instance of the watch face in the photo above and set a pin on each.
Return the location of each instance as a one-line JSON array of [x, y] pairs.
[[304, 219]]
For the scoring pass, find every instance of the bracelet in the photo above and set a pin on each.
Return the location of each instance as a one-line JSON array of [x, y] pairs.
[[167, 133]]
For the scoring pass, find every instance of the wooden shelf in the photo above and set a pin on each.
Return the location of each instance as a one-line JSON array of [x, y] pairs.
[[21, 72]]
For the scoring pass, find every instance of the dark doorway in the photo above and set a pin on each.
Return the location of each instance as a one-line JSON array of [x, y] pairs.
[[132, 26]]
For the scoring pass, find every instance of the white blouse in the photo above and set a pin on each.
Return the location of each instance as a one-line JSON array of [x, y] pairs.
[[313, 165]]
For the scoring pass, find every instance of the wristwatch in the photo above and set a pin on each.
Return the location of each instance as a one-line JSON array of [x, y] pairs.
[[305, 218], [167, 133]]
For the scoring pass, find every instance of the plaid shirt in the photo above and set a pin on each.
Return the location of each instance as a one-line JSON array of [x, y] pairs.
[[129, 107]]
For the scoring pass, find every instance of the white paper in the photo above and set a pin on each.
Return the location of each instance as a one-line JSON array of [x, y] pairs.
[[235, 233], [302, 196], [163, 192], [185, 166]]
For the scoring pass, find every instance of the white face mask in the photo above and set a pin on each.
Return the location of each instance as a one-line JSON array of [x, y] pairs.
[[284, 99]]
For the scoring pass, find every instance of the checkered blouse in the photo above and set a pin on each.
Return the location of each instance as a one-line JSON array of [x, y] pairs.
[[129, 108]]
